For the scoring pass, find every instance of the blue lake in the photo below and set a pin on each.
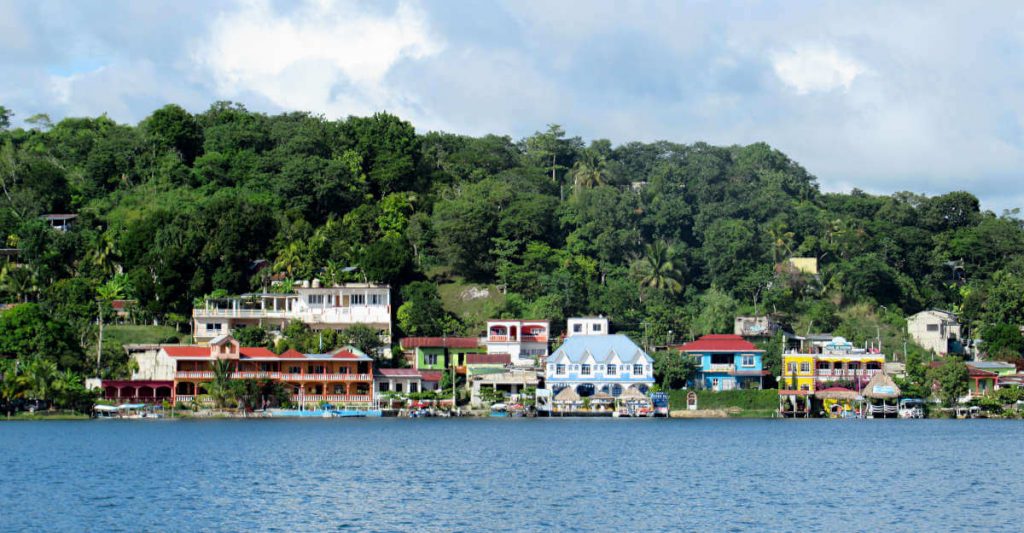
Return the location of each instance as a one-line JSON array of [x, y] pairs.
[[512, 474]]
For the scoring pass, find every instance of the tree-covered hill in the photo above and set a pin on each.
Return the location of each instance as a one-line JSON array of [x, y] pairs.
[[660, 237]]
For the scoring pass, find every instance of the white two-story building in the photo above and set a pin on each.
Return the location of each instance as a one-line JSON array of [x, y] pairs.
[[337, 307], [525, 341]]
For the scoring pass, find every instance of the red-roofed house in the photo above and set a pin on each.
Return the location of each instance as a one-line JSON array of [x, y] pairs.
[[344, 376], [726, 362]]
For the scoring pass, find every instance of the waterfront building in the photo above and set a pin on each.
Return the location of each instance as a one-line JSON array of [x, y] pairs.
[[599, 363], [938, 331], [400, 380], [343, 376], [525, 341], [725, 362], [337, 307], [838, 363]]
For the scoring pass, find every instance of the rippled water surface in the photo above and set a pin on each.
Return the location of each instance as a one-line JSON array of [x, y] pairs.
[[526, 475]]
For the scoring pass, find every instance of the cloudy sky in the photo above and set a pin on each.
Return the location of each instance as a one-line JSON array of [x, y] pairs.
[[886, 96]]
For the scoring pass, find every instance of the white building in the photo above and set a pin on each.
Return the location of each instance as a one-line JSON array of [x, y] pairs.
[[525, 341], [338, 307], [935, 330], [587, 326]]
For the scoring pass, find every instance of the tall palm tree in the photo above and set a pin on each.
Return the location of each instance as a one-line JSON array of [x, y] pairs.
[[67, 385], [657, 268], [116, 288], [782, 240]]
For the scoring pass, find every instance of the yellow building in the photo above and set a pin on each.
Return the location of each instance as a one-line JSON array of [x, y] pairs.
[[837, 363]]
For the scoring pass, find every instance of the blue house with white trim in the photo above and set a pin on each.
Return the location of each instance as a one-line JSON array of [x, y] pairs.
[[599, 363], [726, 362]]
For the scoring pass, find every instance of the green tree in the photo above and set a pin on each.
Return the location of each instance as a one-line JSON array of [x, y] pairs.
[[256, 336], [365, 339], [27, 331], [1002, 340], [221, 389], [673, 370], [657, 269], [952, 378], [422, 311]]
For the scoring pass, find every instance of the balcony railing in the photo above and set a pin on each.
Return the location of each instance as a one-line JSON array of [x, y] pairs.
[[330, 398], [721, 367], [535, 338], [499, 338], [284, 376]]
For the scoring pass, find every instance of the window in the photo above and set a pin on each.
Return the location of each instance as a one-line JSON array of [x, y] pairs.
[[805, 387], [791, 367], [376, 299], [414, 387], [560, 370], [213, 326], [748, 360], [316, 369], [805, 367], [585, 371], [714, 383], [597, 327], [577, 328], [638, 370], [339, 389], [294, 370], [430, 359], [384, 387], [398, 387], [358, 299], [316, 299], [610, 370], [933, 327]]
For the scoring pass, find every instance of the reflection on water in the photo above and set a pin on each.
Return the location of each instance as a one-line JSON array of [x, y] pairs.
[[473, 475]]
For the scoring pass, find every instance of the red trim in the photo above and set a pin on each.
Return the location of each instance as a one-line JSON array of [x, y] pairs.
[[718, 343]]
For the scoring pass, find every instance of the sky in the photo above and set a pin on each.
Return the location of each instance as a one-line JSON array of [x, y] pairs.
[[883, 96]]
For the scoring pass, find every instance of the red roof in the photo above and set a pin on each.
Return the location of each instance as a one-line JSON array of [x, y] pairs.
[[397, 372], [346, 354], [440, 342], [718, 343], [488, 359], [292, 353], [187, 351], [971, 371], [431, 375], [259, 353]]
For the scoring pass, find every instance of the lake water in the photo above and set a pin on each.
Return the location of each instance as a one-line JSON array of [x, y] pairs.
[[512, 474]]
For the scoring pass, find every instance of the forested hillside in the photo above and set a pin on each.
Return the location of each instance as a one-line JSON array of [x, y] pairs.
[[660, 237]]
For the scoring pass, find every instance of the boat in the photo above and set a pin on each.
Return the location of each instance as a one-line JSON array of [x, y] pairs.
[[911, 408]]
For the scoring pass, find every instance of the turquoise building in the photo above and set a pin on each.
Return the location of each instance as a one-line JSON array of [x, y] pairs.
[[725, 362]]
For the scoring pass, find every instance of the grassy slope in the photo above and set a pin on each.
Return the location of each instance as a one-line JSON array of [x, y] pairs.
[[117, 334], [473, 312]]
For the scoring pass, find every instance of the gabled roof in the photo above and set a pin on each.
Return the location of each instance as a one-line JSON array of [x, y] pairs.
[[719, 343], [602, 347], [488, 359], [292, 354], [397, 372], [431, 375], [187, 351], [440, 342], [256, 353]]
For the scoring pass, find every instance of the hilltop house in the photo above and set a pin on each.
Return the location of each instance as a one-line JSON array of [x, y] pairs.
[[599, 363], [725, 362], [938, 331], [336, 307]]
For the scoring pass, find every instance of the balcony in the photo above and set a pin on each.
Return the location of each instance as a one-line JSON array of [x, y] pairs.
[[331, 398], [720, 368], [534, 338], [359, 314], [500, 338]]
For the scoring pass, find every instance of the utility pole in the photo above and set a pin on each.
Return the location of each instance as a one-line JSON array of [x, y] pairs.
[[99, 340]]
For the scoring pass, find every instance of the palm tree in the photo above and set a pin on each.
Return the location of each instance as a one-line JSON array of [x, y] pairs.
[[782, 240], [590, 170], [13, 383], [116, 288], [221, 389], [290, 261], [19, 281], [104, 255], [67, 385], [39, 376], [657, 268]]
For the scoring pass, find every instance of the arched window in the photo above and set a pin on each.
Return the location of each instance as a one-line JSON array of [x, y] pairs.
[[585, 389]]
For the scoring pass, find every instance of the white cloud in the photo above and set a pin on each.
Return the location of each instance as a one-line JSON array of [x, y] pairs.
[[299, 60], [812, 68]]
